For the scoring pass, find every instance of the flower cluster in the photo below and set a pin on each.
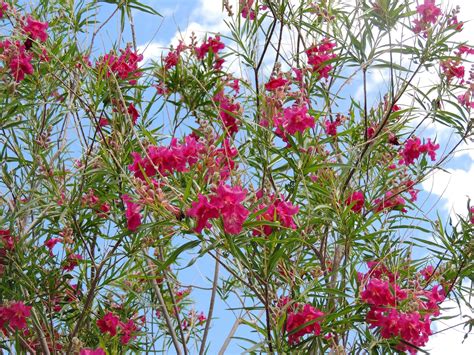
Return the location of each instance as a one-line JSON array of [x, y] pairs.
[[301, 319], [390, 201], [330, 127], [413, 149], [36, 29], [132, 213], [294, 119], [428, 14], [278, 210], [212, 45], [246, 9], [400, 314], [221, 161], [13, 316], [356, 201], [17, 58], [7, 241], [3, 8], [226, 202], [71, 261], [173, 56], [319, 55], [276, 83], [166, 160], [123, 66], [111, 324], [229, 110], [92, 201]]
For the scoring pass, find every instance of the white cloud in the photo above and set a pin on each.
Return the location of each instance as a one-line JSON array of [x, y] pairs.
[[151, 51], [454, 186], [450, 341]]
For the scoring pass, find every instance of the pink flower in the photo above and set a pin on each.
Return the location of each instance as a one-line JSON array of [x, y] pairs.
[[452, 70], [388, 303], [471, 210], [127, 332], [177, 157], [15, 315], [275, 83], [97, 351], [229, 110], [109, 324], [330, 127], [50, 243], [212, 44], [429, 11], [246, 9], [124, 66], [132, 111], [381, 293], [430, 149], [71, 261], [466, 99], [234, 85], [319, 55], [390, 201], [104, 210], [7, 240], [295, 119], [413, 192], [202, 210], [221, 161], [201, 318], [228, 201], [225, 203], [171, 60], [36, 29], [356, 200], [18, 59], [279, 210], [132, 213], [427, 272], [3, 8], [411, 150], [305, 320]]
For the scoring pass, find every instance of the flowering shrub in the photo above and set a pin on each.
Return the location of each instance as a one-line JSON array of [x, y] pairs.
[[281, 159]]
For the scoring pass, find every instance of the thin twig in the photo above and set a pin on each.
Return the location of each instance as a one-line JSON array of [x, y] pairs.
[[163, 306], [211, 306]]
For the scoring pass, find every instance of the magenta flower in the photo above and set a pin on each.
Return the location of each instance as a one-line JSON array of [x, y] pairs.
[[132, 111], [307, 319], [128, 329], [330, 127], [356, 200], [294, 119], [109, 324], [229, 110], [15, 315], [225, 203], [36, 29], [132, 213], [228, 201], [275, 83], [202, 210], [319, 55], [166, 160]]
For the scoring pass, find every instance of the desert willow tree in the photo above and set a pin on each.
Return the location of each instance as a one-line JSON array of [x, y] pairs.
[[283, 155]]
